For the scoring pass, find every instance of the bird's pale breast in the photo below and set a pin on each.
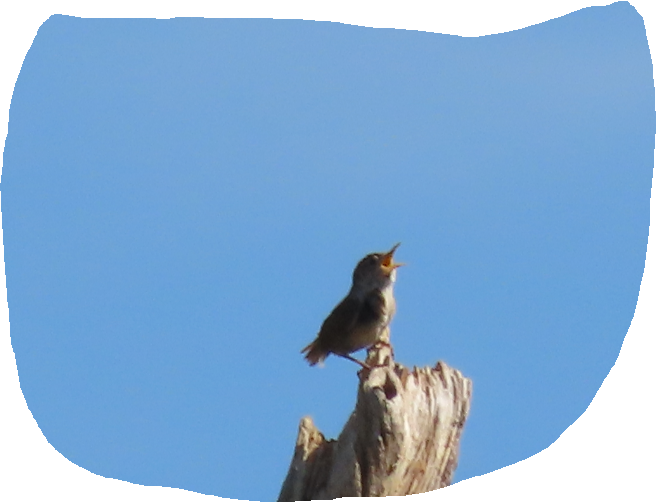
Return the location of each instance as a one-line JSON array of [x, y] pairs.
[[375, 315]]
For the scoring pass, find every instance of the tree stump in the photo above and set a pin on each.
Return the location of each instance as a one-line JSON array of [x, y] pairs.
[[402, 438]]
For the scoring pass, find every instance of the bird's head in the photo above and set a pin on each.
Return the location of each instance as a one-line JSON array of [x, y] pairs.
[[376, 270]]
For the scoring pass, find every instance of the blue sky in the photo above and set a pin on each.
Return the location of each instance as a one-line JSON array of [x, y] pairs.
[[184, 200]]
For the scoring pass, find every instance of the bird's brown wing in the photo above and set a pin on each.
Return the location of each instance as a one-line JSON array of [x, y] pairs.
[[340, 323], [334, 333], [373, 308]]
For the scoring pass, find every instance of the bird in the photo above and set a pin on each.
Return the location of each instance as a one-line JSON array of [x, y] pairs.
[[361, 318]]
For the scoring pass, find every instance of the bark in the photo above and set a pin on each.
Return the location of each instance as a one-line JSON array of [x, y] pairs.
[[402, 438]]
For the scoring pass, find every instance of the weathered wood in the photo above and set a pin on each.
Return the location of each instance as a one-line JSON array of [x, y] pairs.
[[402, 438]]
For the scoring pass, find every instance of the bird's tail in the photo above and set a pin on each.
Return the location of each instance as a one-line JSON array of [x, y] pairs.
[[315, 353]]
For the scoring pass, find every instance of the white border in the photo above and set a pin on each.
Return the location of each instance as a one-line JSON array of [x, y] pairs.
[[606, 455]]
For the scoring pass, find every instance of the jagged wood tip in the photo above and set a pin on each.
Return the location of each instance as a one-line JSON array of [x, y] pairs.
[[402, 438]]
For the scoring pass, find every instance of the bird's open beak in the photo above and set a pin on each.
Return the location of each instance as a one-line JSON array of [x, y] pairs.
[[387, 261]]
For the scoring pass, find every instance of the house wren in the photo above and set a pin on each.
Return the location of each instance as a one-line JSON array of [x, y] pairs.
[[360, 320]]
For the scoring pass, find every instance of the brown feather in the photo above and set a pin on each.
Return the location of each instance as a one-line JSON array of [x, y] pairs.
[[333, 337], [314, 353]]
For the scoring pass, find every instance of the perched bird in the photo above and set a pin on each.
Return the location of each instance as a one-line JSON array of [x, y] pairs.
[[363, 315]]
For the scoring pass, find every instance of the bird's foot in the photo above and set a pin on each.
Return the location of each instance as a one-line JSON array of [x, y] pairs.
[[380, 344]]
